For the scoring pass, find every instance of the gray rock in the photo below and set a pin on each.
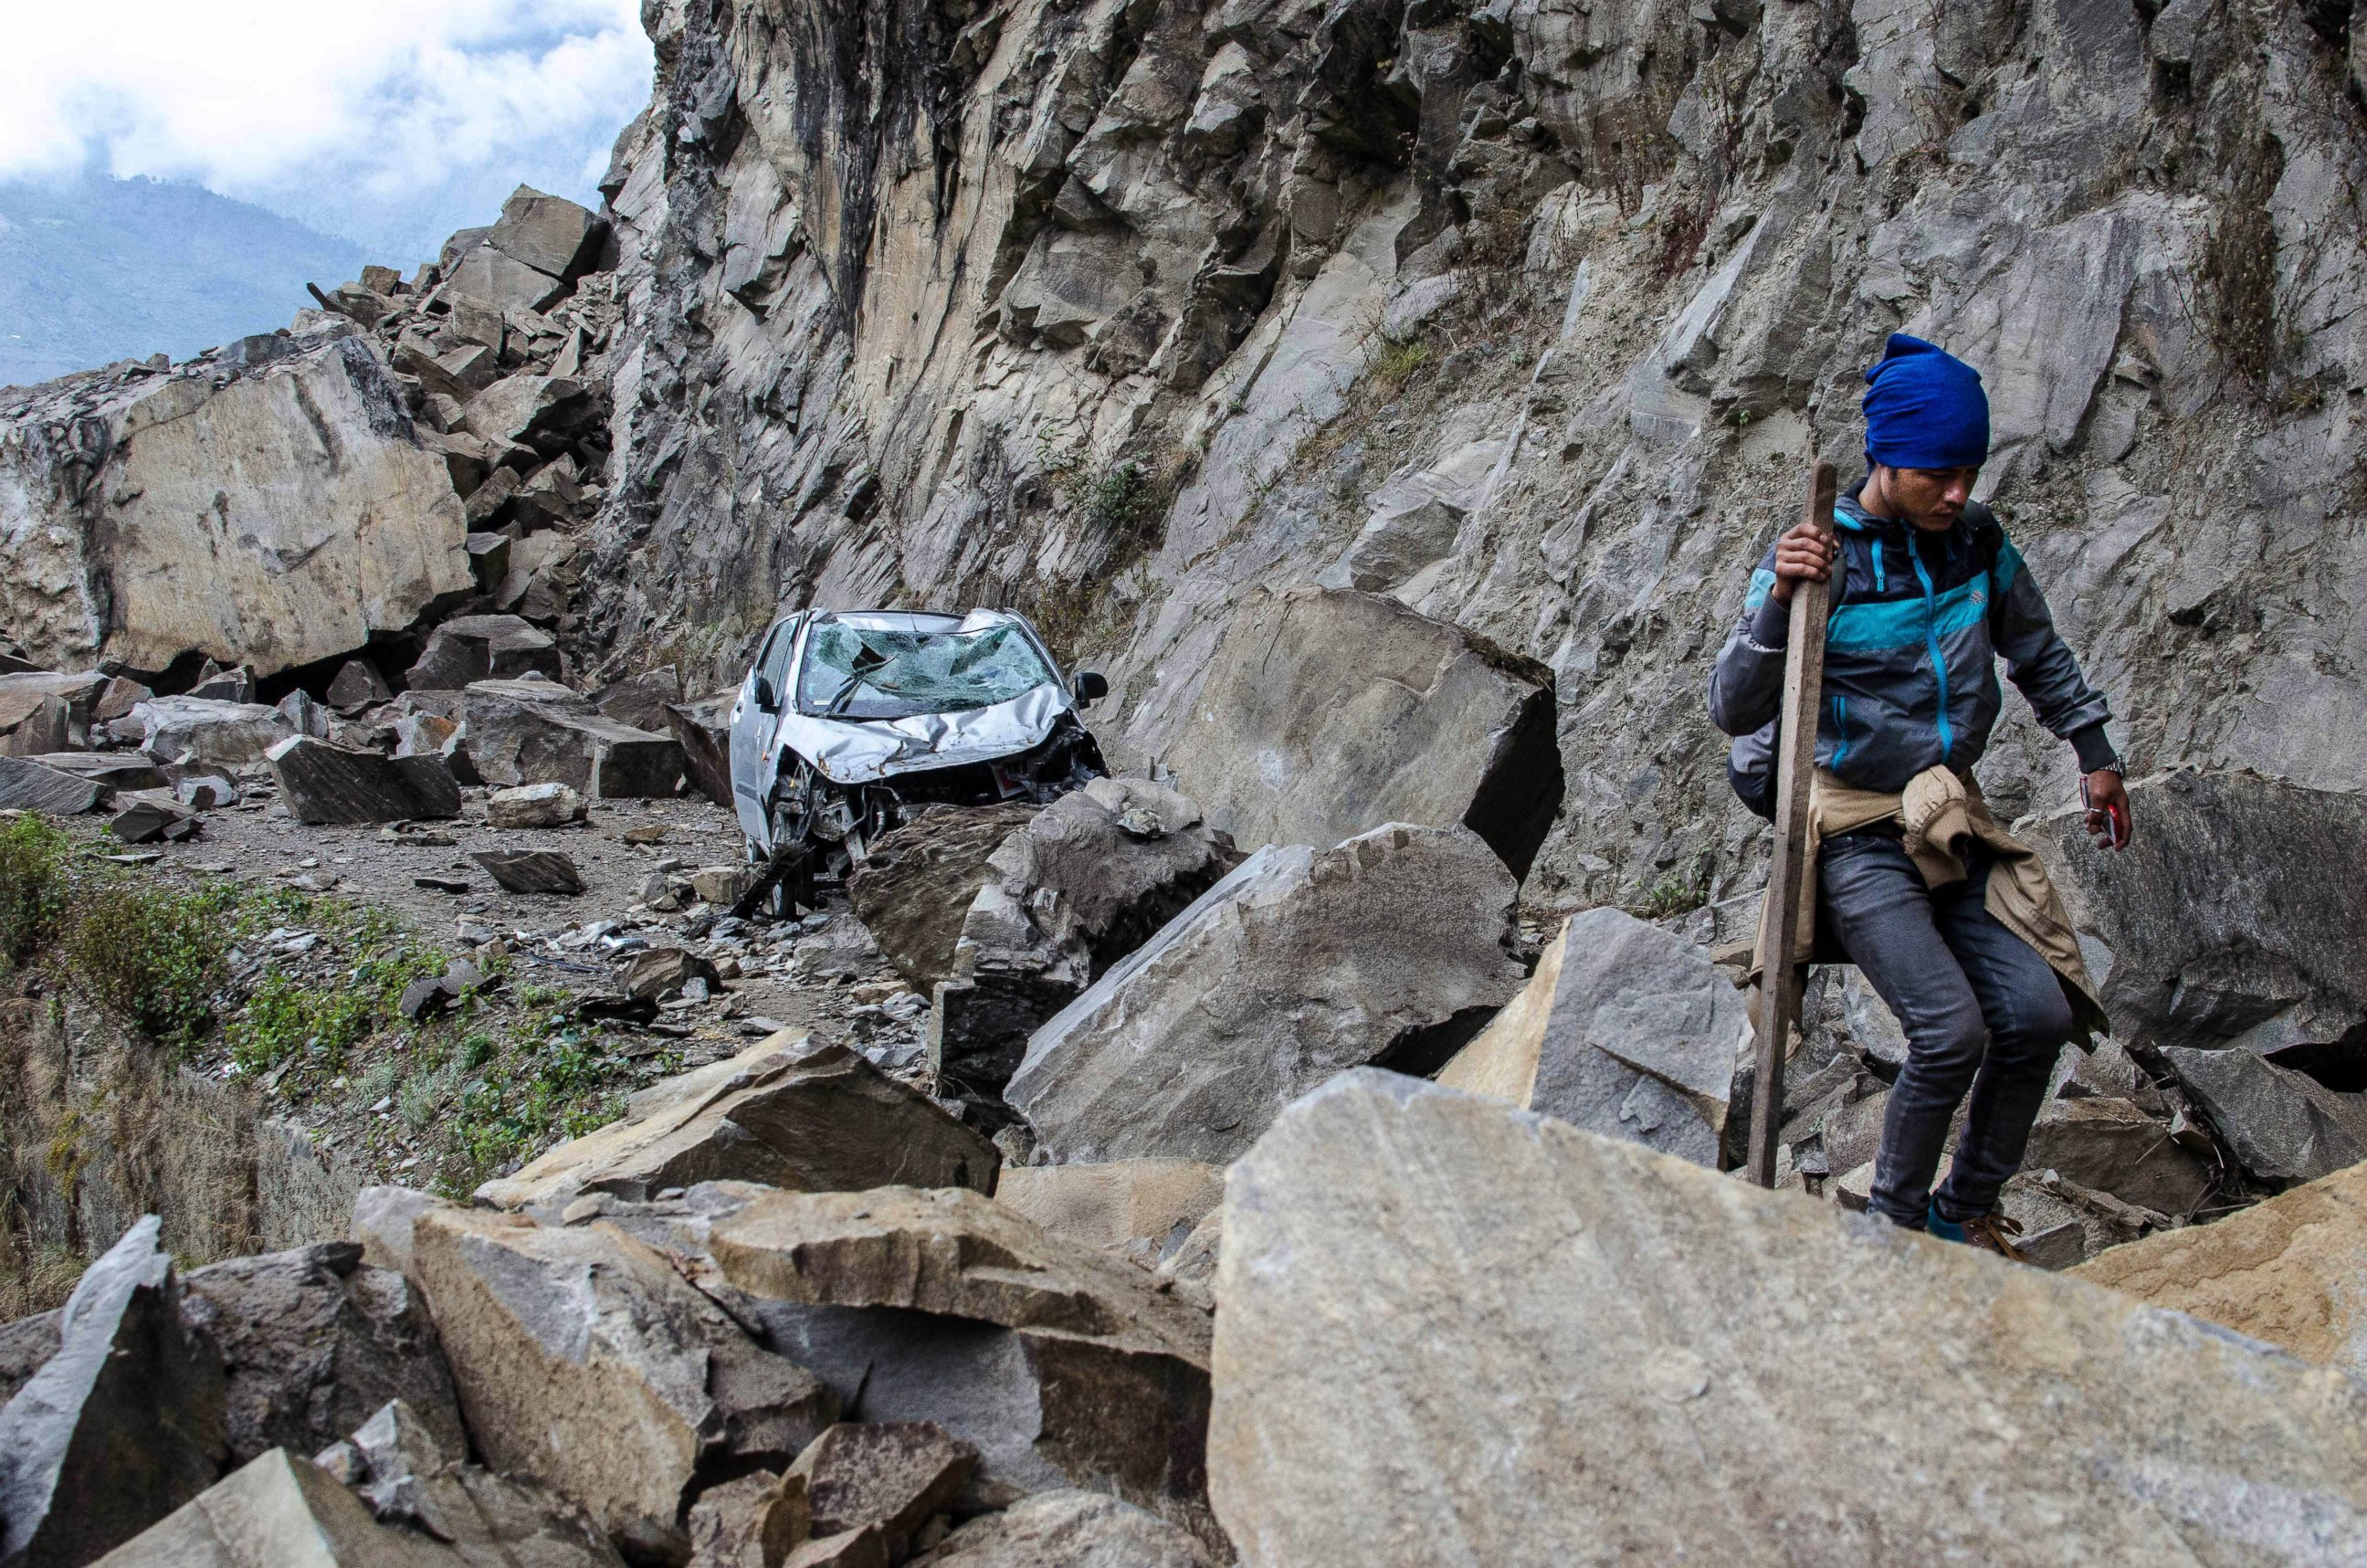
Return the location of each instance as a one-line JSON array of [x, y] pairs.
[[1626, 1030], [550, 234], [2228, 919], [269, 1511], [357, 685], [2110, 1144], [1393, 947], [121, 1425], [29, 786], [1076, 1529], [1326, 713], [526, 731], [324, 783], [211, 734], [215, 684], [2281, 1126], [312, 1343], [534, 805], [586, 1362], [703, 730], [304, 716], [110, 770], [1080, 885], [890, 1474], [913, 890], [785, 1112], [532, 871], [484, 647], [409, 1478], [1673, 1360], [330, 522], [147, 819], [641, 702]]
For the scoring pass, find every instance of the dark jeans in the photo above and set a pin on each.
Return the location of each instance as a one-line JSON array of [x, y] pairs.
[[1980, 1007]]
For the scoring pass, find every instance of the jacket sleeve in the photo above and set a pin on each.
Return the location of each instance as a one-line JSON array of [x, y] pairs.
[[1746, 690], [2038, 661]]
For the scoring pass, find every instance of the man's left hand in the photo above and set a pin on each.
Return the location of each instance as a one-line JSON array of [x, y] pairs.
[[2108, 808]]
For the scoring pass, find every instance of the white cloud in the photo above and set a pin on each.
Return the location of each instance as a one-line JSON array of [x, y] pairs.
[[391, 123]]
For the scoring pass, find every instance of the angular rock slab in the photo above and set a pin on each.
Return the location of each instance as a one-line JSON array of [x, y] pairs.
[[1114, 1204], [325, 784], [785, 1112], [209, 733], [889, 1474], [586, 1362], [1086, 881], [121, 1425], [532, 871], [1625, 1029], [1063, 1366], [1300, 963], [283, 1512], [29, 786], [1603, 1354], [1072, 1529], [2280, 1125], [470, 648], [913, 890], [2231, 918], [2292, 1271], [1327, 713], [532, 732], [313, 1342]]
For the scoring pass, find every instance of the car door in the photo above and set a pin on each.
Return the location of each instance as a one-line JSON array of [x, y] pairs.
[[753, 724]]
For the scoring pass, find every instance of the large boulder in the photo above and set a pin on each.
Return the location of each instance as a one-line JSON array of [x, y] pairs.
[[321, 783], [586, 1362], [915, 885], [208, 731], [2231, 917], [1061, 1365], [537, 732], [2292, 1271], [1601, 1354], [121, 1425], [703, 730], [1080, 885], [273, 521], [787, 1112], [42, 710], [1625, 1029], [2281, 1126], [472, 648], [1392, 947], [312, 1343], [1327, 713]]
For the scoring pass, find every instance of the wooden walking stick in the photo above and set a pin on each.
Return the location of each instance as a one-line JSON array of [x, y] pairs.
[[1795, 770]]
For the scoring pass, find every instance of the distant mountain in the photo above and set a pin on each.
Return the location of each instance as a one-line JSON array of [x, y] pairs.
[[94, 269]]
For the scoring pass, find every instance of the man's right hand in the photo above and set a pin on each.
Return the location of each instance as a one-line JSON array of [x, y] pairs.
[[1804, 554]]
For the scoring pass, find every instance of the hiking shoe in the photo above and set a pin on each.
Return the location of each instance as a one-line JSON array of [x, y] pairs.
[[1991, 1231]]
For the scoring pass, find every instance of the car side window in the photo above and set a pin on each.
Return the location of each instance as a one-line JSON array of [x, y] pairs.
[[773, 664]]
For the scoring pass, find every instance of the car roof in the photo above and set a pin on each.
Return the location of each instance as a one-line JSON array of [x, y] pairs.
[[909, 619]]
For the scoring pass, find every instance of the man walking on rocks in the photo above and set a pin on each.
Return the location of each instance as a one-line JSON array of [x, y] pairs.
[[1950, 918]]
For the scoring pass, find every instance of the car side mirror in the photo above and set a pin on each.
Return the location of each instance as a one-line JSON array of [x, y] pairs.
[[1090, 686], [766, 698]]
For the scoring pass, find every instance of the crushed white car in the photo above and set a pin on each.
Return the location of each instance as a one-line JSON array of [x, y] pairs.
[[851, 720]]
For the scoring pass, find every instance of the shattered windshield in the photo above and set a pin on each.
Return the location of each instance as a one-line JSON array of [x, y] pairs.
[[850, 672]]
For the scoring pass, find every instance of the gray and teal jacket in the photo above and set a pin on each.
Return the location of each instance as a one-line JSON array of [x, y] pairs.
[[1919, 621]]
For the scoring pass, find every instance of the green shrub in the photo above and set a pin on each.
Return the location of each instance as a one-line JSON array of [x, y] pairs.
[[32, 887], [151, 957]]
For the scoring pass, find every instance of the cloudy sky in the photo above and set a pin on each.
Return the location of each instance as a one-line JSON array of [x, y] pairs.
[[390, 124]]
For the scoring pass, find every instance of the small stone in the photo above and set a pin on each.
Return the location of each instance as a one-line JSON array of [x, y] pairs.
[[532, 871], [534, 805], [893, 1476]]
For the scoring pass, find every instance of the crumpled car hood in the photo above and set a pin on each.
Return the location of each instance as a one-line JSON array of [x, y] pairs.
[[851, 751]]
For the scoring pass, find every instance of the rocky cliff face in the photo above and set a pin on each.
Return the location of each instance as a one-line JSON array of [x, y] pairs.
[[1526, 313]]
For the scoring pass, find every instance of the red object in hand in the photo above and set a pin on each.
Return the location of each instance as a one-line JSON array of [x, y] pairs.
[[2113, 818]]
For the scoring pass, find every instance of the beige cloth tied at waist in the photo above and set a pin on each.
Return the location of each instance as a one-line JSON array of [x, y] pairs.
[[1941, 818]]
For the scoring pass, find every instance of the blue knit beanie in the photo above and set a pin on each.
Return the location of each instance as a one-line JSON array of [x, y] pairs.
[[1924, 408]]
